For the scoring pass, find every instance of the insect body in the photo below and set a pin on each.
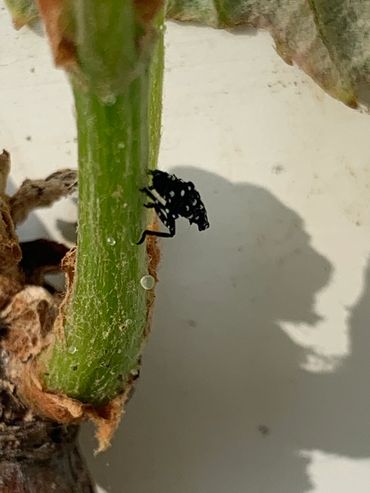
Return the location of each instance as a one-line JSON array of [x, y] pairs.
[[172, 198]]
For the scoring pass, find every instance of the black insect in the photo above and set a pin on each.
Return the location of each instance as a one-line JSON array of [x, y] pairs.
[[173, 198]]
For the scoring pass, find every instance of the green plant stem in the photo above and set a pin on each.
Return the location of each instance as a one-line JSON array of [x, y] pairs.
[[106, 317]]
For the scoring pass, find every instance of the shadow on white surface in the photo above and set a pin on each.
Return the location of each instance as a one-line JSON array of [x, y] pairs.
[[33, 228], [223, 404]]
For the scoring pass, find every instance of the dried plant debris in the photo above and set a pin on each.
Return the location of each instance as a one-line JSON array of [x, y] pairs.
[[28, 262], [58, 19], [29, 318], [27, 310], [32, 315], [33, 194], [64, 409], [10, 252], [4, 170], [40, 257]]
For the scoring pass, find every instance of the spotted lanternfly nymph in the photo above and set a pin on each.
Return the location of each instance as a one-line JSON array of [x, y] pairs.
[[172, 198]]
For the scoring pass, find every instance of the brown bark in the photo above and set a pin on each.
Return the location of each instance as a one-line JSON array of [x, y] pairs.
[[36, 455], [41, 457]]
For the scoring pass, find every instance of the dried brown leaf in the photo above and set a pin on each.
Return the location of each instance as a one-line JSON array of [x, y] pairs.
[[34, 194]]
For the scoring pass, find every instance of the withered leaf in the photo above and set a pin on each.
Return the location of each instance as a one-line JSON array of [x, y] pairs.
[[328, 39]]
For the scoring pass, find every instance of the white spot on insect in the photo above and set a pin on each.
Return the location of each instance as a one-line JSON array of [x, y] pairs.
[[111, 241], [167, 210], [147, 282], [182, 193], [172, 193], [189, 187], [187, 207], [195, 202]]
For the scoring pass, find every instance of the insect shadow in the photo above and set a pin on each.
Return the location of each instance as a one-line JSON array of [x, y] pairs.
[[218, 368]]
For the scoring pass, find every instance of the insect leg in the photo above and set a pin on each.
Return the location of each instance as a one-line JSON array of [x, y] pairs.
[[168, 221], [149, 194], [149, 232]]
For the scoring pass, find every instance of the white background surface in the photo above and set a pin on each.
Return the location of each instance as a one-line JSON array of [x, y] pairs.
[[256, 375]]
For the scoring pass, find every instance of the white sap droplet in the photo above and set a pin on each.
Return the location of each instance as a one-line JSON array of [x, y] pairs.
[[147, 282], [111, 241], [72, 350]]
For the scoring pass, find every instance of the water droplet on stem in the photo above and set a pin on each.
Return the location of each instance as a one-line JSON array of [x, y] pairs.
[[147, 282]]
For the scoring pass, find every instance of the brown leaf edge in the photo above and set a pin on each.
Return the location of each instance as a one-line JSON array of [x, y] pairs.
[[305, 59], [58, 19]]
